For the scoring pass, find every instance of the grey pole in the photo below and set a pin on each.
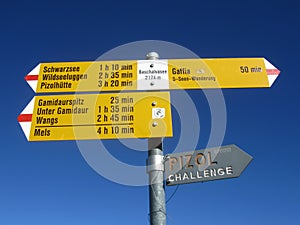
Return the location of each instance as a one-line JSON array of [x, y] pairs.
[[155, 170]]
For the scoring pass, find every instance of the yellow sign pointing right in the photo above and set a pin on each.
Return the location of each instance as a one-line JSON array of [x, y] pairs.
[[218, 73]]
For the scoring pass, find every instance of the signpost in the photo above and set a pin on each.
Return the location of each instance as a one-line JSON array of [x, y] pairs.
[[205, 165], [139, 114], [97, 116], [152, 75]]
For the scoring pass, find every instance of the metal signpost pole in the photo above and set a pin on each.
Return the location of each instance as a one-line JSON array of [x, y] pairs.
[[155, 170]]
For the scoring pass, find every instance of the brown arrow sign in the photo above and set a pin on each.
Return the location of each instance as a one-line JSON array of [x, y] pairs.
[[205, 165]]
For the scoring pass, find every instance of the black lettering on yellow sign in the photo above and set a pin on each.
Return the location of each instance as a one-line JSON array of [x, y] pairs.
[[126, 67], [70, 77], [42, 132], [75, 110], [115, 75], [194, 78], [46, 85], [116, 118], [58, 102], [181, 71], [246, 69], [116, 67], [44, 120], [61, 69], [126, 75], [46, 111]]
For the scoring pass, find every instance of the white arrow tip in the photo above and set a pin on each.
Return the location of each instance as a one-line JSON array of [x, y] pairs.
[[26, 128], [25, 118], [32, 77], [272, 72], [29, 108], [271, 79]]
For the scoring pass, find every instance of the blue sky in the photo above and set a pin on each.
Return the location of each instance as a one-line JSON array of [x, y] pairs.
[[51, 183]]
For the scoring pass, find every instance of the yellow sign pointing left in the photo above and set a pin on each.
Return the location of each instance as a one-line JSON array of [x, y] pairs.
[[83, 76], [97, 116]]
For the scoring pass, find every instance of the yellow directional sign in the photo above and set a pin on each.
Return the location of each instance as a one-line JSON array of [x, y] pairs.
[[219, 73], [97, 116], [152, 75]]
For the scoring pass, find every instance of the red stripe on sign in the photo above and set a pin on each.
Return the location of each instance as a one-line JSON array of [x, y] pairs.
[[25, 118], [31, 77], [273, 71]]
